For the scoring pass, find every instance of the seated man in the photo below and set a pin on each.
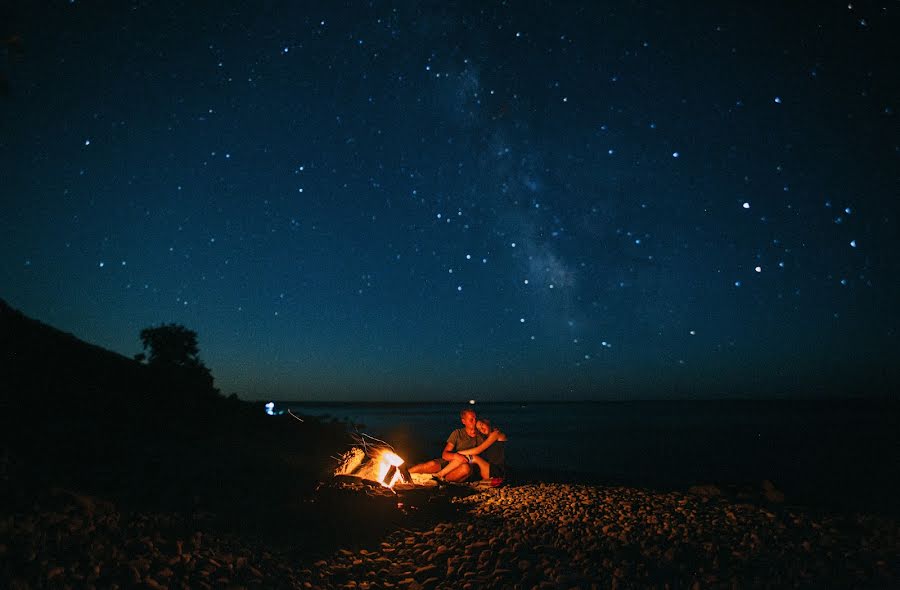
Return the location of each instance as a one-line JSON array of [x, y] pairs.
[[453, 466]]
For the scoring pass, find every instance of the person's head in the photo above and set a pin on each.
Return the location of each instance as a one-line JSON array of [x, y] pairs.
[[467, 417], [483, 425]]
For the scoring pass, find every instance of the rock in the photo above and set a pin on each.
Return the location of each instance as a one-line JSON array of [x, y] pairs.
[[424, 571], [771, 493], [705, 490]]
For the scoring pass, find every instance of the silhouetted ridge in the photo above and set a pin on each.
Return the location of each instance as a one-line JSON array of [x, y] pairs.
[[45, 366], [76, 415]]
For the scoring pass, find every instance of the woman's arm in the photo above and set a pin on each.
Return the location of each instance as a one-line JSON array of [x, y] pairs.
[[491, 439], [449, 454]]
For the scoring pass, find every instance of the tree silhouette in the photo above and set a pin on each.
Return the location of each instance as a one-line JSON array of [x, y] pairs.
[[171, 345], [172, 350]]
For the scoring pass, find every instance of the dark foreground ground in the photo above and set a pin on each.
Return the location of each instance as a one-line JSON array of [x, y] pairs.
[[247, 501], [528, 536]]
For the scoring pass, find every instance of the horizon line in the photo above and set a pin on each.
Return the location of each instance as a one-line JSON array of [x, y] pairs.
[[873, 398]]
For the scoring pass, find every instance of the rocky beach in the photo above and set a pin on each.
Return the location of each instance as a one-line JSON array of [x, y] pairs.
[[523, 536]]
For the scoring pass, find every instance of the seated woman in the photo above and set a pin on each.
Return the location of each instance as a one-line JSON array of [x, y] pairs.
[[489, 456]]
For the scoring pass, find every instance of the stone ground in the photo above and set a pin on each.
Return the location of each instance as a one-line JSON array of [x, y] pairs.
[[526, 536]]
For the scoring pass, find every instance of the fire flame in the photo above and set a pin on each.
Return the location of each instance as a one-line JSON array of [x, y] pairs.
[[389, 462], [380, 464]]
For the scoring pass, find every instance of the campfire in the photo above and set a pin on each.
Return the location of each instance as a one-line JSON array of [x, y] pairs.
[[378, 471], [380, 465]]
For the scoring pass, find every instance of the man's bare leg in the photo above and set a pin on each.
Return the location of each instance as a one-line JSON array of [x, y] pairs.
[[432, 466], [461, 473], [450, 467]]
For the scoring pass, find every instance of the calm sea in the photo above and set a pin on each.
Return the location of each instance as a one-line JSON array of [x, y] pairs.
[[837, 453]]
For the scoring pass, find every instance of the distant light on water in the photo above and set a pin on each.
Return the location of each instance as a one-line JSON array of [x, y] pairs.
[[471, 402], [270, 408]]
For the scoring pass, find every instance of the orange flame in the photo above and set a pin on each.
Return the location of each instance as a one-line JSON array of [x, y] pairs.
[[387, 460]]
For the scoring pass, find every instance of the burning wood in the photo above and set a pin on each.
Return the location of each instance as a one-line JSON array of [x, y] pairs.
[[381, 465]]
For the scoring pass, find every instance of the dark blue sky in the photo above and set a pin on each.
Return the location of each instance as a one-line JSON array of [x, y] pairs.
[[521, 200]]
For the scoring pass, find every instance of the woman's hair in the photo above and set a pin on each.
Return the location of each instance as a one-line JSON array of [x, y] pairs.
[[486, 421]]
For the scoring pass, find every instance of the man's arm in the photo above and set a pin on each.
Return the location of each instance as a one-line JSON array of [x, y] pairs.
[[449, 455]]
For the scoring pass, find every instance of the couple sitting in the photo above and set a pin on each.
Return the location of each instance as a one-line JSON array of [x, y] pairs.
[[475, 451]]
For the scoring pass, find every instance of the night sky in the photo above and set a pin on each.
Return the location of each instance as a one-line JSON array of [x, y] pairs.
[[499, 200]]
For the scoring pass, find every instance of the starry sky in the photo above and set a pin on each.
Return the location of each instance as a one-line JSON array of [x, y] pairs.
[[437, 201]]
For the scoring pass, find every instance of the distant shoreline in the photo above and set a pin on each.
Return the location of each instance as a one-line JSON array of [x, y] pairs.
[[462, 403]]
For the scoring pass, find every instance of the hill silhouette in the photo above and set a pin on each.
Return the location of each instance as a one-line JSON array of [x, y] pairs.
[[78, 416], [45, 365], [39, 360]]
